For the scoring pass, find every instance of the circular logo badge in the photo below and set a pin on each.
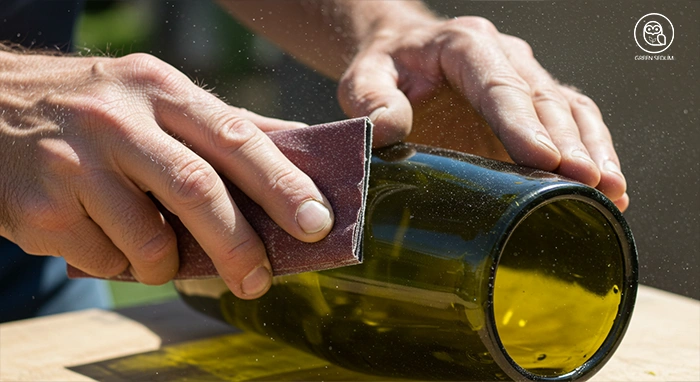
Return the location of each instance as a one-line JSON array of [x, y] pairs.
[[653, 33]]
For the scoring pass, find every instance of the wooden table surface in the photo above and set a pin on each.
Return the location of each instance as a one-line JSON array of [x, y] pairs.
[[662, 342]]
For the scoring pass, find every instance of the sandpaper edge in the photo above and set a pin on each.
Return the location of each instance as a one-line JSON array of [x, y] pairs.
[[360, 228]]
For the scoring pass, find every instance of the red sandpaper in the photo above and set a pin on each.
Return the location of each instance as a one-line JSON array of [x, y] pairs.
[[336, 156]]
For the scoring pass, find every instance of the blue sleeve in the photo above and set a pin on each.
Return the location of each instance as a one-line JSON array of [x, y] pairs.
[[32, 286]]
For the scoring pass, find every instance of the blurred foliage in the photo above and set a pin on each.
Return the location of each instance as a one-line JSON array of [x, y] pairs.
[[128, 294], [113, 28], [164, 28], [196, 37]]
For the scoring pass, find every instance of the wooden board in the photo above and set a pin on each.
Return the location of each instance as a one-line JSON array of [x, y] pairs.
[[662, 343], [40, 348]]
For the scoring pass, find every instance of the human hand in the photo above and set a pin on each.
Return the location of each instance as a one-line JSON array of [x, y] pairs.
[[84, 139], [434, 75]]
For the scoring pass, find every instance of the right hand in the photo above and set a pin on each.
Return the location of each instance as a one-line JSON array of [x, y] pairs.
[[454, 76], [83, 140]]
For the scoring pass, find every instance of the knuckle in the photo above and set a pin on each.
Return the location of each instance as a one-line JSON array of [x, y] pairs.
[[194, 183], [144, 66], [601, 144], [572, 137], [232, 133], [155, 249], [481, 24], [149, 71], [548, 95], [474, 24], [584, 102], [150, 243], [507, 80], [522, 46], [283, 180], [248, 247]]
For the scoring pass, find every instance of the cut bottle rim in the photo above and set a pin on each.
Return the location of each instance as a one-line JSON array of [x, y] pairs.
[[508, 326]]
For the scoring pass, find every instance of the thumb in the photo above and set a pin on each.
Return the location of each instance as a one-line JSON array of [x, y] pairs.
[[369, 88], [267, 124]]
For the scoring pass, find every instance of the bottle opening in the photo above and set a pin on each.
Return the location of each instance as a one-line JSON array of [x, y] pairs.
[[557, 288]]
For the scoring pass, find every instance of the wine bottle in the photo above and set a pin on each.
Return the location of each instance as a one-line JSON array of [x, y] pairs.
[[473, 269]]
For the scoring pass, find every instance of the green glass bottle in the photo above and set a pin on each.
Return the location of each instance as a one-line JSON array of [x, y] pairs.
[[473, 270]]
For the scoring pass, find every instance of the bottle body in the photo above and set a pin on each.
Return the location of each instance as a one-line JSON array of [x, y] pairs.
[[473, 270]]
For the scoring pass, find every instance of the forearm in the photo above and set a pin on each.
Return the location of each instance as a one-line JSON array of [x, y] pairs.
[[326, 34]]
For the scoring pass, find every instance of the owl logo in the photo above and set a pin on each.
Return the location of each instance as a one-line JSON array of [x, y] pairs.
[[654, 34]]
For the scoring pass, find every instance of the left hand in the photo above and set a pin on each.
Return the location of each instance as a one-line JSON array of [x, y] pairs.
[[451, 73]]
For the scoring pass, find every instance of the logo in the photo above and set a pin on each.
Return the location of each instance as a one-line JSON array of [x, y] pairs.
[[653, 33]]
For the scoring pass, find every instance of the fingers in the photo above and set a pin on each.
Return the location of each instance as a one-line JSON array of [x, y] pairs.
[[190, 188], [48, 230], [86, 247], [596, 137], [245, 155], [540, 123], [129, 218], [574, 123], [473, 64], [369, 88], [555, 114]]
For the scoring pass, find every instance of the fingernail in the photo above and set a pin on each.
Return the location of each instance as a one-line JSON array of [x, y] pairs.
[[257, 281], [376, 113], [611, 166], [578, 153], [547, 142], [312, 216]]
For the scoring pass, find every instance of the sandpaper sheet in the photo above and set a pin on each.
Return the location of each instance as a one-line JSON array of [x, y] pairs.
[[337, 157]]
